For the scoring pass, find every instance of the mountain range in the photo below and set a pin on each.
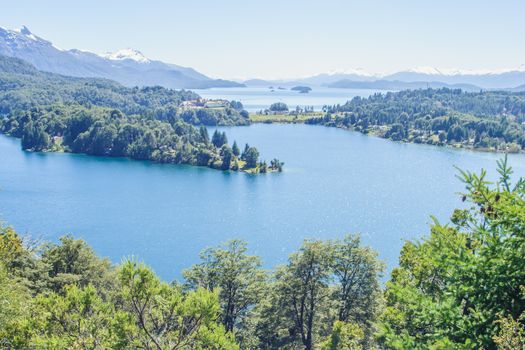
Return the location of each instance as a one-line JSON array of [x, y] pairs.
[[128, 66], [131, 68], [422, 77]]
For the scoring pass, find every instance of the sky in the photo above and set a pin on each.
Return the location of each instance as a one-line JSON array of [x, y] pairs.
[[239, 39]]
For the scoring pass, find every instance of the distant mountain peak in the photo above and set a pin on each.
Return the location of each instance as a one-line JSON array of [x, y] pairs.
[[425, 70], [23, 30], [352, 71], [127, 54]]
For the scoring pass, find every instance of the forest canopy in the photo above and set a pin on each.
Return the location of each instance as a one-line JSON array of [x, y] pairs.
[[490, 120]]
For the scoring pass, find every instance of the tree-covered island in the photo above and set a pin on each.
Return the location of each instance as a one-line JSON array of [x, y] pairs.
[[50, 112]]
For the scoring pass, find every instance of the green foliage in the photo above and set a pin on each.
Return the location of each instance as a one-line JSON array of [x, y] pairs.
[[489, 119], [15, 302], [235, 149], [237, 276], [108, 132], [251, 156], [73, 262], [135, 310], [276, 164], [323, 283], [344, 336], [165, 317], [22, 87], [452, 289], [219, 139], [512, 334], [50, 112], [279, 107]]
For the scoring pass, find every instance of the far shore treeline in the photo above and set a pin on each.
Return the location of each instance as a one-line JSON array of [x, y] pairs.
[[486, 120], [50, 112], [460, 287]]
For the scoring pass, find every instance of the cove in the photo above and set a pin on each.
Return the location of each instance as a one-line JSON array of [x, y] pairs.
[[334, 182]]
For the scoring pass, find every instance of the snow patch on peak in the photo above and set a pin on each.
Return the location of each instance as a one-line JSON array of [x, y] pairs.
[[127, 54], [352, 71], [26, 32], [425, 70]]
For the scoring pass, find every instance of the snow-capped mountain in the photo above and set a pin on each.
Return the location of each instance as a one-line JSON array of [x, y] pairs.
[[487, 79], [127, 54], [411, 78], [127, 66]]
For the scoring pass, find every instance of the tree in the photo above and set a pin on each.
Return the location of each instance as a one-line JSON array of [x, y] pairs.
[[279, 107], [356, 271], [203, 131], [167, 318], [302, 287], [34, 137], [235, 149], [236, 105], [219, 139], [227, 156], [452, 289], [327, 289], [276, 164], [78, 319], [251, 156], [246, 148], [74, 262], [102, 137], [263, 167], [237, 276]]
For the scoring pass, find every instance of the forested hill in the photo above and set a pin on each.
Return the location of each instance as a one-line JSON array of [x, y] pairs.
[[491, 120], [22, 86], [50, 112]]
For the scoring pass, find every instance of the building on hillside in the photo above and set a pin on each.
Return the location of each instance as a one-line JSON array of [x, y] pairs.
[[216, 104]]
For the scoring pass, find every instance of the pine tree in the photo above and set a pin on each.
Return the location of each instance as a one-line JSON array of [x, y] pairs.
[[235, 149], [246, 148], [204, 134]]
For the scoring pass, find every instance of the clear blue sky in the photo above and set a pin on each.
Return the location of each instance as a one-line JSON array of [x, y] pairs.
[[286, 38]]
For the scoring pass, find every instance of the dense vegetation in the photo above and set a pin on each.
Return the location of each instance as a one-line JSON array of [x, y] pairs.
[[491, 120], [62, 296], [50, 112], [463, 287], [22, 87]]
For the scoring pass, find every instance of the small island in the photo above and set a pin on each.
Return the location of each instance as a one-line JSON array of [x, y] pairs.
[[302, 89]]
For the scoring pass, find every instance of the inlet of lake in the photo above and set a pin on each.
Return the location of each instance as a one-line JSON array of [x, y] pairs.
[[334, 182]]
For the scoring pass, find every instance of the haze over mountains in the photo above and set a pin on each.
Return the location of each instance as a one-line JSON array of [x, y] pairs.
[[131, 68], [421, 77]]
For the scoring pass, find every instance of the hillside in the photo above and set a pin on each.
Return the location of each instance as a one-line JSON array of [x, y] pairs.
[[22, 86]]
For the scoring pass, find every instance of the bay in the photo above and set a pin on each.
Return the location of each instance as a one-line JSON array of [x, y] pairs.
[[334, 182]]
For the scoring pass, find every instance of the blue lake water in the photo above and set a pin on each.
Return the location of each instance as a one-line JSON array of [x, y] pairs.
[[259, 98], [334, 182]]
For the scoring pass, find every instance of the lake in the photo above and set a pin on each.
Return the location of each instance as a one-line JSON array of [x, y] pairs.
[[334, 182], [260, 98]]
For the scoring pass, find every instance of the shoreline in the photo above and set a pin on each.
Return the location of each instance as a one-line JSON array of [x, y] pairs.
[[280, 119]]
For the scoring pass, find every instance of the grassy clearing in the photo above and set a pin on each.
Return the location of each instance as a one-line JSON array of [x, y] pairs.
[[282, 118]]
